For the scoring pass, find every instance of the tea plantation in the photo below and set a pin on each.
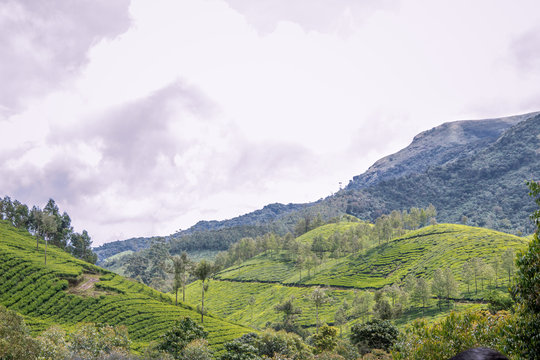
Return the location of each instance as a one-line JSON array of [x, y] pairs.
[[247, 293], [47, 294]]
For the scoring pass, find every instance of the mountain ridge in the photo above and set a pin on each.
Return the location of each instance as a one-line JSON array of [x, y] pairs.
[[430, 152]]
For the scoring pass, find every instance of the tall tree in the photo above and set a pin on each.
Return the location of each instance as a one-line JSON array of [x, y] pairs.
[[319, 298], [438, 285], [526, 290], [450, 284], [421, 292], [477, 265], [181, 266], [340, 317], [202, 272], [508, 263], [49, 228], [81, 247], [467, 274]]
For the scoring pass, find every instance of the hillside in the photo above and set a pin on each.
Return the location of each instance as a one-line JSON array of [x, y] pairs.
[[487, 187], [67, 291], [255, 223], [474, 168], [438, 146], [271, 278]]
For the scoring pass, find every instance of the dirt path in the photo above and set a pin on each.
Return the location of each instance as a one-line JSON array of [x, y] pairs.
[[86, 285]]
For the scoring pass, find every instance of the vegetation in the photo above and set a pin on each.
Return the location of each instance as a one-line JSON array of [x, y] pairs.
[[46, 295], [182, 333], [49, 225], [485, 186], [374, 334]]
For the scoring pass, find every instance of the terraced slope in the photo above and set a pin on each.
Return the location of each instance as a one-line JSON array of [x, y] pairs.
[[419, 253], [67, 291], [280, 267], [271, 278]]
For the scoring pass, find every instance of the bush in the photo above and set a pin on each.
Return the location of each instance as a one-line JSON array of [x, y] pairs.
[[454, 334], [15, 341], [95, 341], [180, 335], [374, 334], [326, 339]]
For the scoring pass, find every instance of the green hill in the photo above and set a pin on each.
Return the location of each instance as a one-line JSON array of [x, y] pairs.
[[68, 291], [418, 253], [269, 278]]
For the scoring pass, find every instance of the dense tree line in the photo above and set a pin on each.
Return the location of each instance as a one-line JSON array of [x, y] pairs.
[[50, 225]]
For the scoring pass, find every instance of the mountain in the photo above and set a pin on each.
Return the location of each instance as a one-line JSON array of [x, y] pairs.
[[258, 222], [440, 145], [486, 187], [472, 169], [67, 291]]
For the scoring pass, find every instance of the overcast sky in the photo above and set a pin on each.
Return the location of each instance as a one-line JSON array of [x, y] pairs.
[[142, 117]]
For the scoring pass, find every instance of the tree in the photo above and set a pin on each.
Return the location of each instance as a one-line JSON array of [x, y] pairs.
[[94, 341], [326, 340], [361, 304], [374, 334], [198, 349], [382, 308], [526, 290], [319, 297], [36, 223], [508, 263], [239, 350], [81, 247], [300, 262], [444, 285], [49, 229], [181, 268], [290, 315], [183, 332], [202, 272], [467, 274], [421, 293], [15, 339], [477, 265], [496, 264], [340, 317]]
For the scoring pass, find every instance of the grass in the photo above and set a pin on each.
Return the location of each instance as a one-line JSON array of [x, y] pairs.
[[272, 277], [419, 253], [47, 294]]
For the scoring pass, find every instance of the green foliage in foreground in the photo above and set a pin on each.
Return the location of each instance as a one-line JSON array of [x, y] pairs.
[[454, 334], [42, 294]]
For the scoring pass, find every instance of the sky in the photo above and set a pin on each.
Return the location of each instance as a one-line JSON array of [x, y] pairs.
[[140, 118]]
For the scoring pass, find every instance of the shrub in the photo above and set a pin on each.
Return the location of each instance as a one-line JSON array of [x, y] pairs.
[[180, 335], [15, 341], [454, 334], [374, 334]]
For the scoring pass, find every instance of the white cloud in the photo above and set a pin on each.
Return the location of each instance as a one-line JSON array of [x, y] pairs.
[[210, 108]]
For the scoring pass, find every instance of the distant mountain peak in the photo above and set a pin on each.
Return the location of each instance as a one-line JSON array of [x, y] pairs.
[[437, 146]]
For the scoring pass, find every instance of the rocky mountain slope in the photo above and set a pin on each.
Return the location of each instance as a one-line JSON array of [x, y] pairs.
[[486, 188], [438, 146]]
